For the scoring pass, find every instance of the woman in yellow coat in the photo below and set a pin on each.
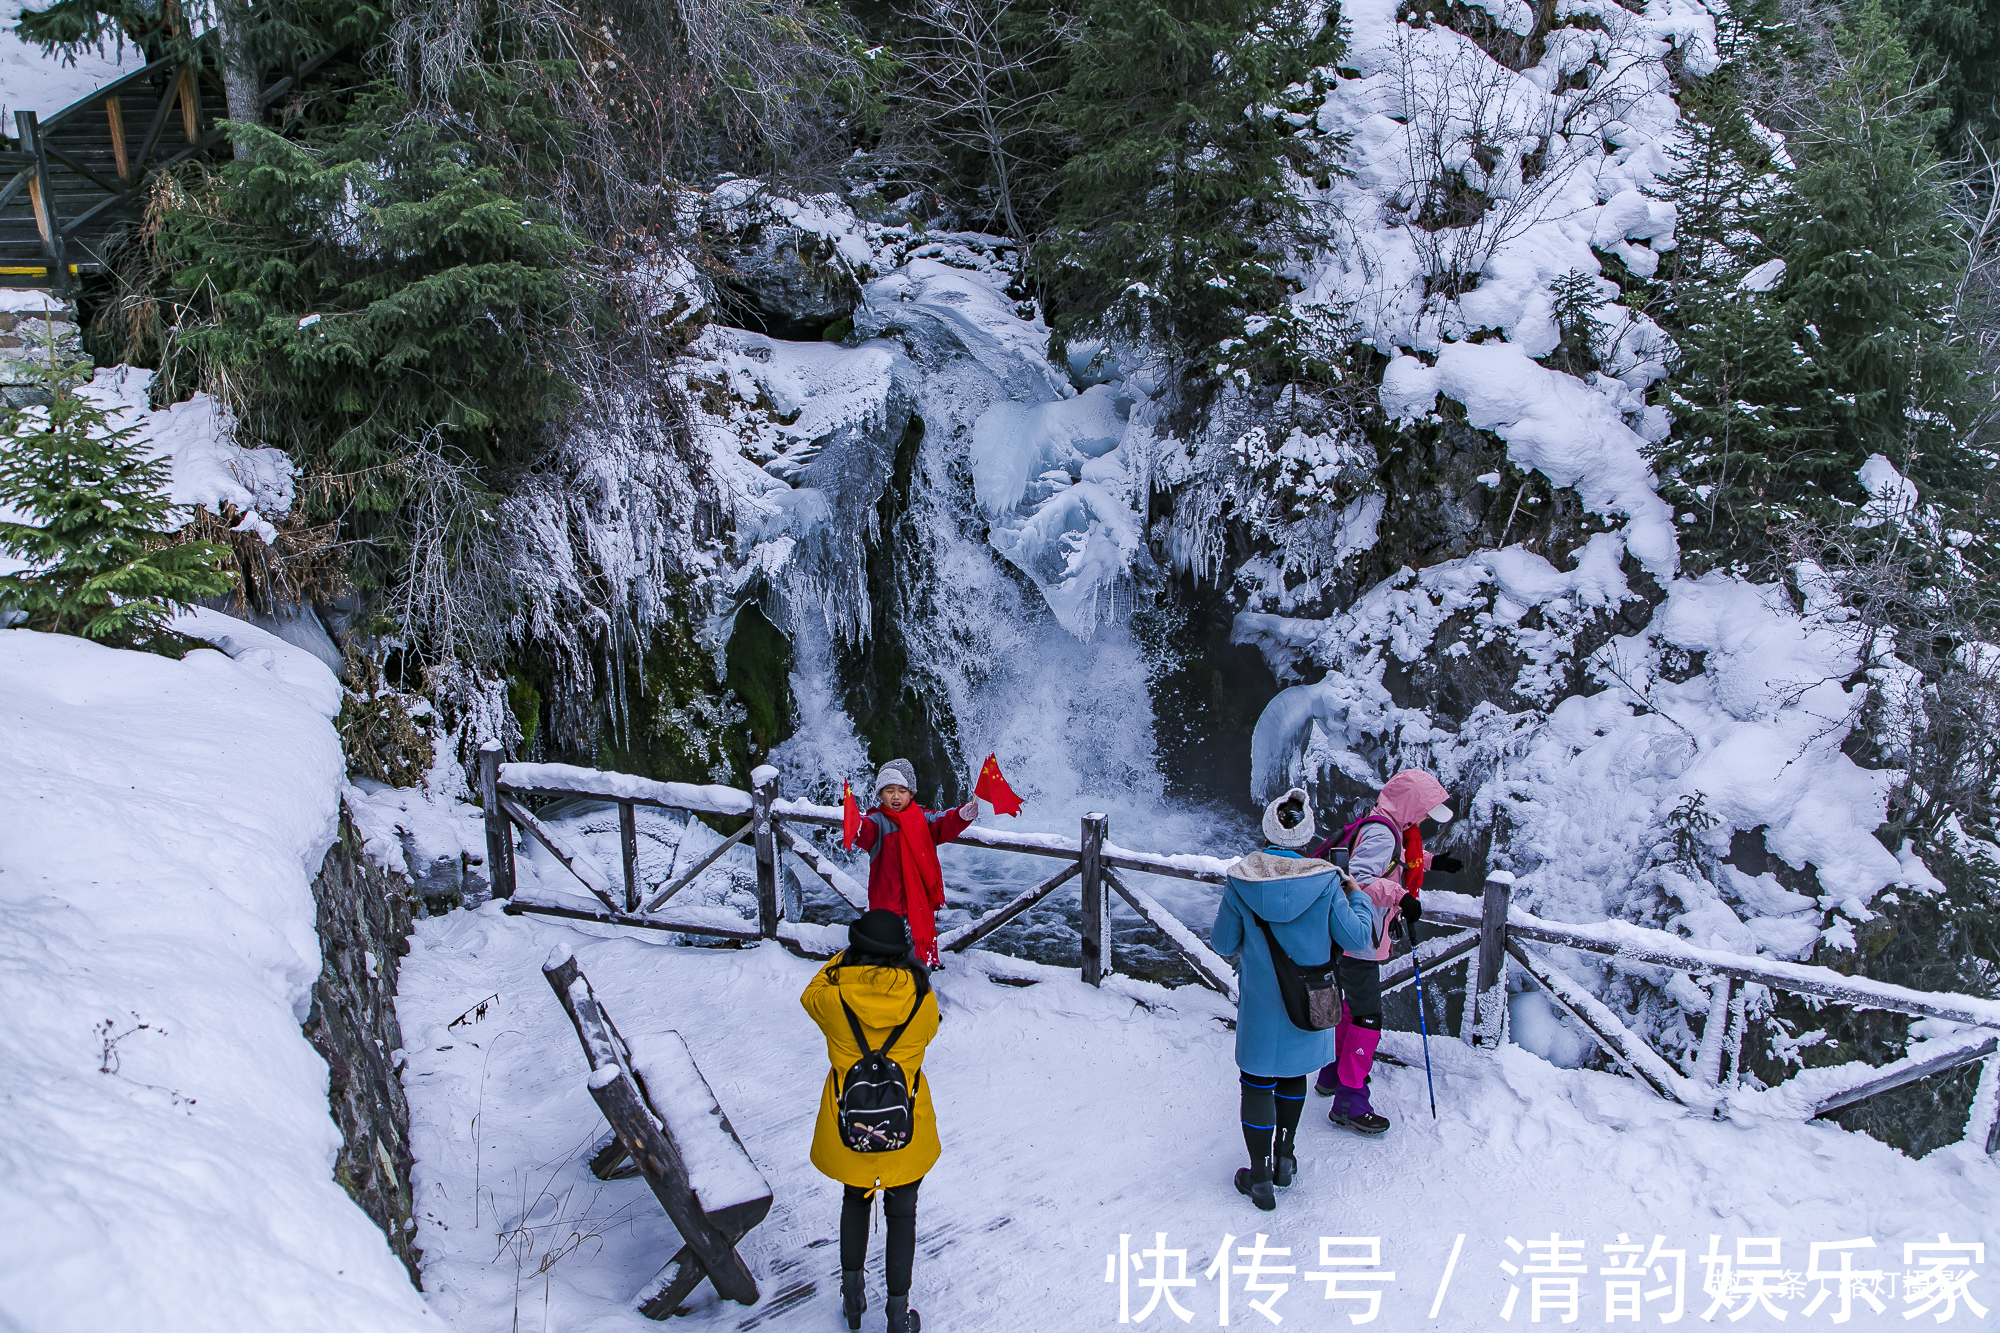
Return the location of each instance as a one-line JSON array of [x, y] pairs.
[[881, 984]]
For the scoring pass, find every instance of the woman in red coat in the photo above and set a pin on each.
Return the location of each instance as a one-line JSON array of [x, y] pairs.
[[901, 839]]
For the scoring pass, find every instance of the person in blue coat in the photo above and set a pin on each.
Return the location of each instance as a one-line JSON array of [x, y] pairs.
[[1311, 911]]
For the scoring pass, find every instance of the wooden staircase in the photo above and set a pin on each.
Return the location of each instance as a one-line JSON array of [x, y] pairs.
[[77, 180]]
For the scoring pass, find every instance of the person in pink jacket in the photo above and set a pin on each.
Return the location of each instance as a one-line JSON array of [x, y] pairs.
[[1380, 845]]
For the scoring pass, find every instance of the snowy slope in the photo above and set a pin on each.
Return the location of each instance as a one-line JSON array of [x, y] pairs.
[[197, 437], [31, 81], [164, 1132], [1071, 1116]]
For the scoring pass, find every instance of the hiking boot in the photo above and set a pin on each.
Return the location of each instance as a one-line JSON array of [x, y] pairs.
[[1325, 1089], [1352, 1111], [853, 1297], [1284, 1161], [1254, 1183], [902, 1319]]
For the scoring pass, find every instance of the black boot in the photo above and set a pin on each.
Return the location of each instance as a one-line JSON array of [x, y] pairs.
[[853, 1296], [902, 1319], [1254, 1182], [1284, 1160], [1352, 1111]]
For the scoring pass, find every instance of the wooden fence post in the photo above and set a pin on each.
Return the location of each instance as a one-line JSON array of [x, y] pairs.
[[1714, 1030], [1982, 1121], [1486, 1007], [499, 831], [763, 790], [1096, 905], [1739, 1016], [628, 849], [42, 199]]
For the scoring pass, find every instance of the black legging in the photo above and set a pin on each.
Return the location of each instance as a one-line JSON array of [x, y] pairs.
[[1271, 1104], [899, 1205]]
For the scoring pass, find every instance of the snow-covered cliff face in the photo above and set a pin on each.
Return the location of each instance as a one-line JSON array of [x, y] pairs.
[[1611, 726], [1450, 553]]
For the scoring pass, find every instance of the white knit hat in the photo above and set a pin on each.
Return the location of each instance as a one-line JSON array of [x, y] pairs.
[[896, 773], [1297, 835]]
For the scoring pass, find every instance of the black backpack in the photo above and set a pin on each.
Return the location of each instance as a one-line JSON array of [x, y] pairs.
[[877, 1107]]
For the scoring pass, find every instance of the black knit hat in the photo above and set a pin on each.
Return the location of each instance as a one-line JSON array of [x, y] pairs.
[[879, 933]]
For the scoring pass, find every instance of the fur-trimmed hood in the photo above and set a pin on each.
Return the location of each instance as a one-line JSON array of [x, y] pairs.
[[1280, 887]]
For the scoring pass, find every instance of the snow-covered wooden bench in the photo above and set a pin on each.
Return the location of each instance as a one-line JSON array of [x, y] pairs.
[[666, 1126]]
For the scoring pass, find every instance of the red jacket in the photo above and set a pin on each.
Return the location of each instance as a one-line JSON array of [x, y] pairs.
[[885, 873]]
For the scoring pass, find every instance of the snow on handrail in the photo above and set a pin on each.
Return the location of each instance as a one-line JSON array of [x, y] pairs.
[[569, 780], [1816, 1092], [1643, 944], [1212, 869]]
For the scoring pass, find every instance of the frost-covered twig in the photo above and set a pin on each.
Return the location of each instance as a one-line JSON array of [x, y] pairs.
[[1608, 662]]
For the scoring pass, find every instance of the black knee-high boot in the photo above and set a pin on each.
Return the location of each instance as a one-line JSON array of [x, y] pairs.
[[1260, 1119], [1260, 1116], [1289, 1098]]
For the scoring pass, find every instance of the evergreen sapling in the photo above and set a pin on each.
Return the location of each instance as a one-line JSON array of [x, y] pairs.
[[103, 560]]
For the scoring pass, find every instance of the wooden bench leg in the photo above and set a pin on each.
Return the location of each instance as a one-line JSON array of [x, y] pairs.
[[659, 1160], [688, 1274], [610, 1161]]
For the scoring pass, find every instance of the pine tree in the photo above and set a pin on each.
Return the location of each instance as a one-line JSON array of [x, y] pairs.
[[103, 561], [1873, 253], [1786, 382], [1576, 295], [1179, 209], [1958, 43], [378, 286]]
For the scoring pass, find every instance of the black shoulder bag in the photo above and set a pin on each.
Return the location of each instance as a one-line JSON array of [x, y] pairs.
[[1311, 994]]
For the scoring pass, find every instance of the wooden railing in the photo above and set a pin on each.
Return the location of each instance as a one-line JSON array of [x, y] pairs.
[[82, 172], [1092, 861], [1482, 934], [1496, 931]]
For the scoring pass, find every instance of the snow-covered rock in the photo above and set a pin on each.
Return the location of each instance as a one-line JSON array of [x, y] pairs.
[[197, 436]]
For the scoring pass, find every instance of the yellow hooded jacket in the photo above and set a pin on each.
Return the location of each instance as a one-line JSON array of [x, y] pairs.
[[880, 997]]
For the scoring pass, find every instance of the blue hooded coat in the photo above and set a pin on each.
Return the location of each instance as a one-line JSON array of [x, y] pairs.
[[1309, 912]]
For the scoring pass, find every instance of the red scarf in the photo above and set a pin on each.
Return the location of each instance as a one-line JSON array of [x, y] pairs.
[[923, 878], [1413, 859]]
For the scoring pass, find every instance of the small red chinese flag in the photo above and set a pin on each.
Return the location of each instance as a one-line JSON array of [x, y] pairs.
[[993, 789], [850, 816]]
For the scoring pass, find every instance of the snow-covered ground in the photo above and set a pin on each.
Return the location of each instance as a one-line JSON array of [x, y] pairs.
[[31, 81], [165, 1143], [163, 822], [1075, 1118]]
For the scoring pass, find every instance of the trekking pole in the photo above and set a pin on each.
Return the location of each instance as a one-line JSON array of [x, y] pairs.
[[1423, 1020]]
